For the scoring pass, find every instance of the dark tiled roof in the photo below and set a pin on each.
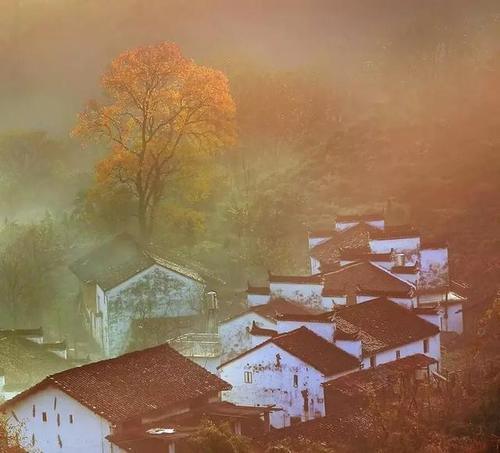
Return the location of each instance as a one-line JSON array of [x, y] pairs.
[[363, 275], [373, 379], [134, 384], [301, 279], [278, 306], [395, 232], [355, 255], [308, 317], [260, 332], [356, 237], [311, 349], [351, 429], [431, 244], [259, 290], [383, 324], [119, 259], [404, 270], [25, 363]]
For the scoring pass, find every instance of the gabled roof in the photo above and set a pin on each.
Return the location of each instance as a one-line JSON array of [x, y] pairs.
[[118, 260], [276, 306], [356, 237], [373, 379], [382, 324], [311, 349], [261, 332], [363, 275], [25, 362], [133, 384], [395, 232], [356, 255]]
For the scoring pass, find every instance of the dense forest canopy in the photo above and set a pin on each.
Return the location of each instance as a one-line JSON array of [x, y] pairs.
[[340, 107]]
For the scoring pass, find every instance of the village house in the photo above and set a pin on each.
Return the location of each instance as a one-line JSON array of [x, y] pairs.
[[137, 398], [287, 371], [128, 295], [25, 359], [235, 333], [288, 366]]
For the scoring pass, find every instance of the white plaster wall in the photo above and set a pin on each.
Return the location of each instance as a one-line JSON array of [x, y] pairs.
[[351, 347], [408, 246], [257, 299], [234, 334], [258, 339], [315, 266], [343, 226], [416, 347], [433, 268], [327, 303], [433, 319], [313, 242], [86, 434], [325, 330], [380, 224], [155, 292], [304, 293], [273, 385], [454, 321]]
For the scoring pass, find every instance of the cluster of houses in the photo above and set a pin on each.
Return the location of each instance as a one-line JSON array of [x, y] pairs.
[[304, 350]]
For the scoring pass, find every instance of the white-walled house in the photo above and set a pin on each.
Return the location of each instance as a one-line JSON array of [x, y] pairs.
[[120, 282], [287, 371], [78, 409], [235, 333], [387, 331]]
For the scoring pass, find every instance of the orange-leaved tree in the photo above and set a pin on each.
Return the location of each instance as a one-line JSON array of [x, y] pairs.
[[160, 111]]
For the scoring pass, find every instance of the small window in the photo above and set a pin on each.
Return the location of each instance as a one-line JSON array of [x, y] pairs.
[[373, 361], [44, 416], [33, 439], [71, 418], [55, 403], [295, 380], [59, 441], [247, 377], [398, 354], [34, 411], [426, 346], [58, 420]]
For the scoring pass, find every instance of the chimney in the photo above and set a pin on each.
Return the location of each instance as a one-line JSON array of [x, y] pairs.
[[212, 305], [399, 259]]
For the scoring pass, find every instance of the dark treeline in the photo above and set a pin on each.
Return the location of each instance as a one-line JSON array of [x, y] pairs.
[[341, 107]]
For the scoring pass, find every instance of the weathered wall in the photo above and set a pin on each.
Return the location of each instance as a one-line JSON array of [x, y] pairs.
[[257, 299], [351, 347], [273, 383], [155, 292], [409, 246], [304, 293], [416, 347], [234, 334], [433, 268], [85, 435]]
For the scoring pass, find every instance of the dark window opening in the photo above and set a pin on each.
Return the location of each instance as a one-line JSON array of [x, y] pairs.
[[295, 380], [398, 354], [426, 346], [373, 361], [58, 420], [33, 439], [55, 403], [44, 416], [34, 410], [71, 418], [247, 377], [59, 441]]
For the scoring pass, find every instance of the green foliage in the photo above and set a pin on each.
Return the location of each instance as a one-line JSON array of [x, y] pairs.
[[212, 438]]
